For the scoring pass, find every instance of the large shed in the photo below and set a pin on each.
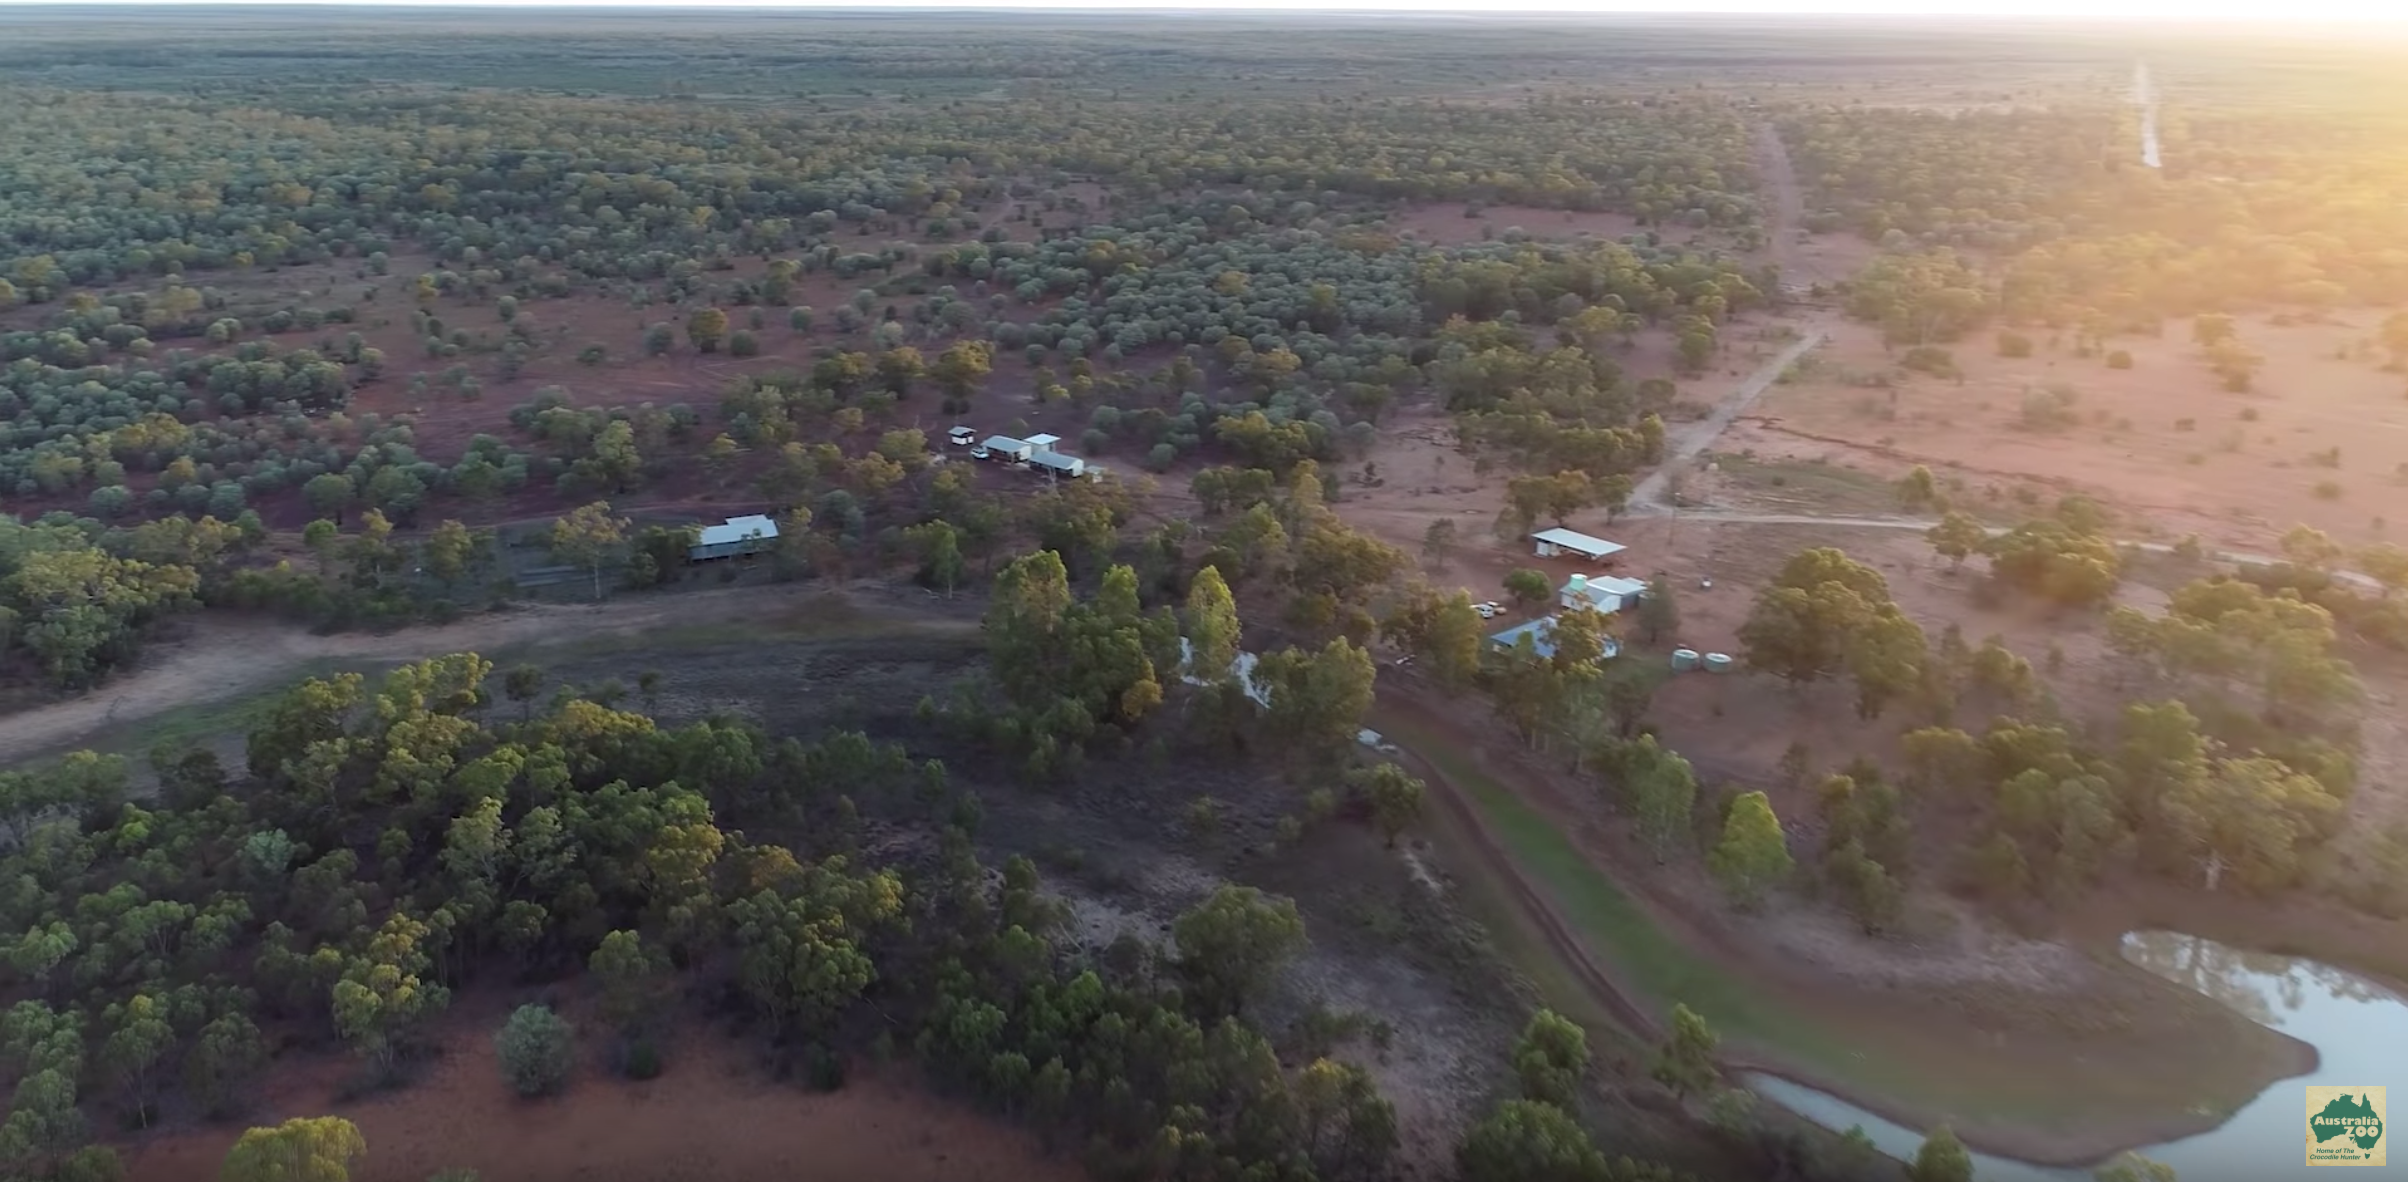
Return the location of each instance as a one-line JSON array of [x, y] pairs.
[[1555, 543], [736, 535], [1068, 467], [1004, 447]]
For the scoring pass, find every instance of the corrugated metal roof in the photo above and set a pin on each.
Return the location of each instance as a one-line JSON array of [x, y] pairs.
[[1541, 632], [1044, 442], [1004, 443], [1572, 539], [736, 529], [1055, 459], [1599, 588]]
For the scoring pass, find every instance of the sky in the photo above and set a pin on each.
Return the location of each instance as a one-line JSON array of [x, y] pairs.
[[2175, 12]]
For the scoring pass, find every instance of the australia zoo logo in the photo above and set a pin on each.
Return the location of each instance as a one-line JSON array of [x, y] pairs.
[[2345, 1126]]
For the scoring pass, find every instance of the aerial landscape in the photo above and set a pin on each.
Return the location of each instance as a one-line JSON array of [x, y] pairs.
[[658, 594]]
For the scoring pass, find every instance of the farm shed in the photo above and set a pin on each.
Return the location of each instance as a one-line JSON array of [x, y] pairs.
[[1044, 443], [1059, 464], [1004, 447], [1541, 632], [1605, 594], [1555, 543], [736, 535]]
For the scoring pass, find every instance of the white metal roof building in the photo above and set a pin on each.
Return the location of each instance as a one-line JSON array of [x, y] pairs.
[[1005, 445], [1554, 543], [736, 535], [1044, 442], [1602, 593], [1056, 462]]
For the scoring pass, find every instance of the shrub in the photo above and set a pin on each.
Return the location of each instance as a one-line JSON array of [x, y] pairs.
[[2014, 344], [744, 344], [2327, 490], [1930, 359], [2119, 359], [536, 1048]]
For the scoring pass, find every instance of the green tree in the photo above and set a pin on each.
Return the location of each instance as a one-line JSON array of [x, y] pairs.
[[959, 371], [1657, 615], [1753, 855], [2061, 562], [799, 947], [631, 975], [2385, 564], [449, 550], [1438, 543], [1393, 794], [1550, 1057], [587, 537], [1231, 943], [329, 495], [707, 327], [1662, 788], [1805, 621], [1212, 627], [536, 1049], [1527, 587], [1528, 1141], [1957, 537], [940, 546], [899, 367], [2132, 1167], [228, 1054], [383, 995], [1685, 1063], [304, 1149], [1941, 1159]]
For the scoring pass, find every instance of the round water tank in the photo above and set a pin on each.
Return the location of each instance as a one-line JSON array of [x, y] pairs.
[[1718, 662], [1579, 581], [1684, 659]]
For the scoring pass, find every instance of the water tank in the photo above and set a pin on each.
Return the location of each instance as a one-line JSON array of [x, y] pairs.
[[1684, 659], [1579, 581], [1718, 662]]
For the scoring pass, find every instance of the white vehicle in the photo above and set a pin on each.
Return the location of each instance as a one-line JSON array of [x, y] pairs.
[[980, 453], [963, 437], [1490, 610]]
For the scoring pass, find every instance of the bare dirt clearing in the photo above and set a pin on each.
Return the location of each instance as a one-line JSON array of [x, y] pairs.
[[2324, 441], [710, 1115]]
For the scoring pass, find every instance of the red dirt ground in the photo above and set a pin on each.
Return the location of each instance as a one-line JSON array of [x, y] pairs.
[[710, 1115], [2235, 483]]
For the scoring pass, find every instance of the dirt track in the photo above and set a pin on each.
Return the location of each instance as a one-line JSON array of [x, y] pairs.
[[227, 657]]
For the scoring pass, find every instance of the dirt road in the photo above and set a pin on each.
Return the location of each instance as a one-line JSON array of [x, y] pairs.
[[227, 657], [1692, 440]]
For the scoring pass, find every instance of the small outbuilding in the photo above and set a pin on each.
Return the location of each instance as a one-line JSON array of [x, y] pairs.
[[1045, 443], [1008, 449], [736, 535], [1066, 467], [1558, 542], [1604, 594]]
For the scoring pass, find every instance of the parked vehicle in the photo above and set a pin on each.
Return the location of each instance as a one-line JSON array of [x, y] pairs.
[[1490, 610], [980, 453]]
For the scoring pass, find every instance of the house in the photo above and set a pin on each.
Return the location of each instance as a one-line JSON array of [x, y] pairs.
[[1008, 449], [1541, 632], [1054, 462], [1555, 543], [1045, 443], [736, 535], [1605, 594]]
